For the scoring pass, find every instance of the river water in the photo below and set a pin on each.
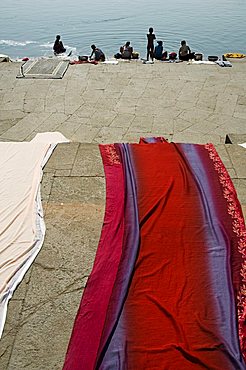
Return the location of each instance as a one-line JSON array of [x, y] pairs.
[[212, 27]]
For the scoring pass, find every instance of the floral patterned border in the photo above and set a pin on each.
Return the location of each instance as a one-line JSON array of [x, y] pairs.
[[111, 154], [239, 229]]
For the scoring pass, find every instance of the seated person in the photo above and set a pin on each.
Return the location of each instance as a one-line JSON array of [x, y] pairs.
[[126, 51], [158, 52], [185, 52], [99, 55], [58, 46]]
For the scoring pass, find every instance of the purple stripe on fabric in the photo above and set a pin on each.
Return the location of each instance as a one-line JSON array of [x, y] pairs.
[[218, 253], [112, 339], [152, 140]]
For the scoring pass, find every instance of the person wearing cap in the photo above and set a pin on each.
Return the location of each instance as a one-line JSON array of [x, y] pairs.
[[99, 55], [158, 52], [58, 46]]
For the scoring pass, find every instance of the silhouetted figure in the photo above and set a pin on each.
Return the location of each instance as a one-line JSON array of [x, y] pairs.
[[150, 44], [158, 52], [99, 55], [58, 46], [125, 51], [185, 52]]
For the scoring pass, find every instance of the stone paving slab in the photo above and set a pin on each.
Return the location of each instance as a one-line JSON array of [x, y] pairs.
[[43, 308], [237, 156], [235, 138], [63, 157], [107, 103]]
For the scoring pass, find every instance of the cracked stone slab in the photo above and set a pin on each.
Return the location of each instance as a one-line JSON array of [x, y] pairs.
[[244, 210], [195, 115], [240, 185], [224, 155], [42, 339], [5, 125], [62, 158], [238, 158], [102, 118], [73, 231], [10, 331], [142, 124], [20, 292], [78, 189], [133, 137], [85, 134], [69, 127], [164, 127], [62, 173], [53, 122], [14, 114], [226, 103], [196, 138], [236, 138], [110, 134], [59, 281], [122, 120], [88, 161], [25, 126], [46, 185]]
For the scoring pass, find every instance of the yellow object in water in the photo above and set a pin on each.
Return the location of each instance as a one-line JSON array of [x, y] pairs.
[[234, 55]]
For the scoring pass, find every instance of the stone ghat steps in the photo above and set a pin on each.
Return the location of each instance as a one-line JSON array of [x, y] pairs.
[[42, 310], [81, 160]]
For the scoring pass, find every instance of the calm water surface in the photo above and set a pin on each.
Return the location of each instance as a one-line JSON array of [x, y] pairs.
[[28, 27]]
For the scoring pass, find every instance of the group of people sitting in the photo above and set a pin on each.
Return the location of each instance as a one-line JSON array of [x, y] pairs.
[[126, 51], [184, 52], [157, 52]]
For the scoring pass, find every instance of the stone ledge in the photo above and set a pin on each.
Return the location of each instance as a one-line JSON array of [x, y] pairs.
[[235, 138], [44, 306]]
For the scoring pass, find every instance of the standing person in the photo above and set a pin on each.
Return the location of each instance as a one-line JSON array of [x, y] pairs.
[[58, 46], [185, 52], [99, 55], [150, 44]]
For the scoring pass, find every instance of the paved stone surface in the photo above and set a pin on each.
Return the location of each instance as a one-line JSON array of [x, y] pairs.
[[99, 104], [235, 138], [107, 103]]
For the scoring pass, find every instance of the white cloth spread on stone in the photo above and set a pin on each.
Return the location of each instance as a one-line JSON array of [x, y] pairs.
[[22, 226]]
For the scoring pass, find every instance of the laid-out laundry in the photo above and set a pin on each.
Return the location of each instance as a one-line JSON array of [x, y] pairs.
[[167, 288], [22, 226]]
